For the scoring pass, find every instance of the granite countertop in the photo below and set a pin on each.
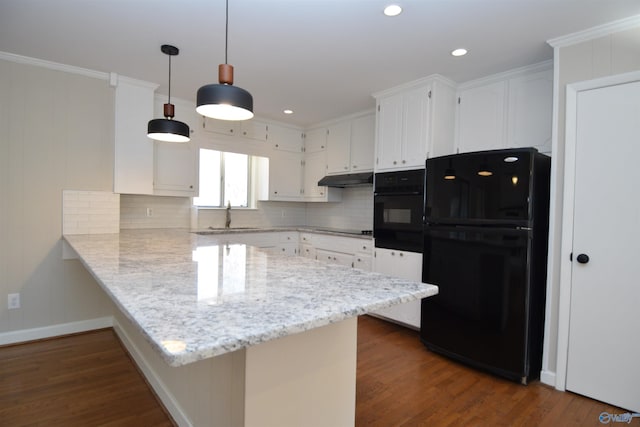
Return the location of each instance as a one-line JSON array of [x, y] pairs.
[[308, 229], [193, 297]]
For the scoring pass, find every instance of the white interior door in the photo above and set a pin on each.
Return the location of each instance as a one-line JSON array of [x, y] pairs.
[[603, 360]]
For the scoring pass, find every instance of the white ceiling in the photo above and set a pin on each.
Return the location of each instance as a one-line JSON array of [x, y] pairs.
[[321, 58]]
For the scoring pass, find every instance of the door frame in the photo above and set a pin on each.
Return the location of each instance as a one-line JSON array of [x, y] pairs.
[[564, 302]]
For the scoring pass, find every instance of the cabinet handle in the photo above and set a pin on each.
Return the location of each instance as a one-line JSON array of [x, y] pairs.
[[364, 247], [394, 162], [191, 186], [393, 254], [401, 254], [322, 146], [346, 168], [404, 161], [275, 192], [355, 166], [230, 130], [277, 145]]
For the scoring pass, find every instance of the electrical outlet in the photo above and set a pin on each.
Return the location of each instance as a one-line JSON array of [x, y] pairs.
[[149, 212], [13, 301]]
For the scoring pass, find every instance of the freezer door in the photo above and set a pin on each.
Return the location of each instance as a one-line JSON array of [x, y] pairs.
[[490, 187], [480, 313]]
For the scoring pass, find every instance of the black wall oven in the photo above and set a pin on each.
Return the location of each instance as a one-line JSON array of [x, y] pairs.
[[398, 210]]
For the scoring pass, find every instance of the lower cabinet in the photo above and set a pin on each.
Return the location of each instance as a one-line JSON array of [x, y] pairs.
[[407, 265], [348, 251]]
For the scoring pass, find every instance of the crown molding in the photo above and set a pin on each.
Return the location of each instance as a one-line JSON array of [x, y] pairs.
[[53, 66], [596, 32]]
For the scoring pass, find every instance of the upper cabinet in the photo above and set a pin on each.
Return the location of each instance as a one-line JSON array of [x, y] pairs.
[[315, 168], [509, 110], [415, 121], [253, 129], [133, 150], [350, 145], [176, 163], [363, 137], [145, 166], [285, 163]]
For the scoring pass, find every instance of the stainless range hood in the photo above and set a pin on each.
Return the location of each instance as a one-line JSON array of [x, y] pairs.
[[347, 180]]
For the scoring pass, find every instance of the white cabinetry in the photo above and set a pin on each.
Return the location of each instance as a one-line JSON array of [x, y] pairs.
[[481, 120], [407, 265], [350, 251], [176, 164], [285, 243], [252, 129], [133, 150], [415, 121], [508, 110], [315, 168], [350, 145], [339, 147], [529, 115], [285, 164], [363, 137]]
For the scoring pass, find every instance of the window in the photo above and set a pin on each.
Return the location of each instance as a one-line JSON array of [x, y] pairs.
[[224, 178]]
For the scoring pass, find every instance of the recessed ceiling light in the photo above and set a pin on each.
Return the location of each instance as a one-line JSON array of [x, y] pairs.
[[459, 52], [287, 111], [392, 10]]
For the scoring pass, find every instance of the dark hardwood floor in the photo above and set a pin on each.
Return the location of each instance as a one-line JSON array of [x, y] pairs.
[[89, 380], [401, 383], [78, 380]]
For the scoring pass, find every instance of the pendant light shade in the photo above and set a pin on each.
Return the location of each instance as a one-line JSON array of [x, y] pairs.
[[167, 129], [223, 101]]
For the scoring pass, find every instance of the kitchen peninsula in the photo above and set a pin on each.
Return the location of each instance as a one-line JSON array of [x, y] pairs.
[[231, 335]]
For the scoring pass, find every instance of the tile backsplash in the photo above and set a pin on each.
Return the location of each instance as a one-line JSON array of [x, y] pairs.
[[90, 212], [137, 211], [104, 212]]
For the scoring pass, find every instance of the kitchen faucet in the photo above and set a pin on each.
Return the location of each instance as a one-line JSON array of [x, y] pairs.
[[227, 222]]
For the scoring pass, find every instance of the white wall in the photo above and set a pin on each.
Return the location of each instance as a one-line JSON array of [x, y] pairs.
[[55, 133], [615, 52]]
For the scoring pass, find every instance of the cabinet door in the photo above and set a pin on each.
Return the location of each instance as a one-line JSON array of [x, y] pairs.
[[389, 135], [415, 127], [308, 251], [133, 150], [254, 129], [315, 167], [332, 257], [481, 118], [339, 148], [285, 139], [175, 169], [285, 175], [363, 136], [407, 265], [362, 262], [315, 140], [221, 127], [530, 111]]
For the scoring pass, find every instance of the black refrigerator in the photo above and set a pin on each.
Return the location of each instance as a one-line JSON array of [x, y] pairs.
[[485, 247]]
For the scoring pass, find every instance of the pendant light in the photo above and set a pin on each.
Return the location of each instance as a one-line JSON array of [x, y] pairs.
[[224, 101], [167, 129]]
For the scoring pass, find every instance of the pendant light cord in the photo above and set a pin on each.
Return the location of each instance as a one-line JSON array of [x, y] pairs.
[[226, 31], [169, 101]]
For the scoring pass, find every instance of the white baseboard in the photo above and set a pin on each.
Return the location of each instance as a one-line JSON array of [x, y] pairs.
[[152, 377], [24, 335], [548, 378]]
